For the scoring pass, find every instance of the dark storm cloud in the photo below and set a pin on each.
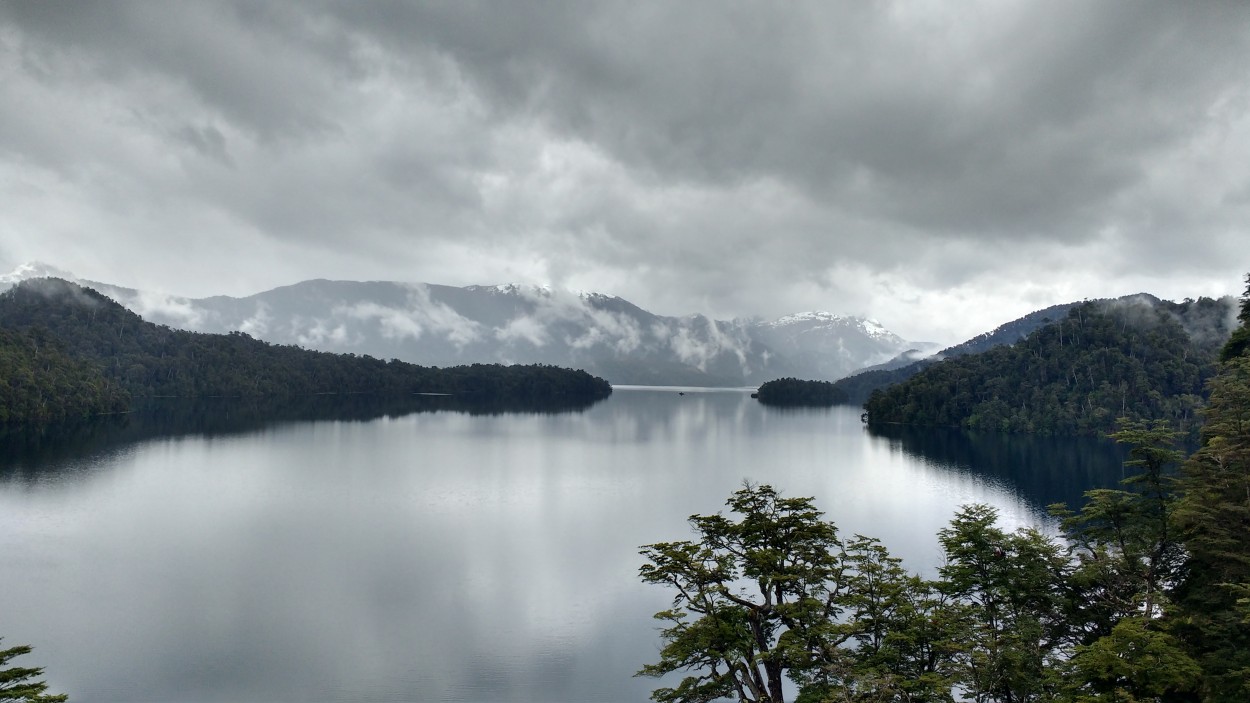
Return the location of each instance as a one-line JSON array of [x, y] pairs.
[[1038, 115], [266, 67], [891, 158]]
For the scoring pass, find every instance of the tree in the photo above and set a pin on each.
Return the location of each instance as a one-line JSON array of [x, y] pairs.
[[902, 627], [756, 600], [1126, 548], [1239, 343], [1214, 518], [22, 683], [1006, 587], [1135, 662]]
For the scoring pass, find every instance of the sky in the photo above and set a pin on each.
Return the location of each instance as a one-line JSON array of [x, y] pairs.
[[940, 167]]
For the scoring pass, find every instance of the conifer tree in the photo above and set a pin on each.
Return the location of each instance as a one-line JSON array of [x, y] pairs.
[[1214, 516], [23, 683]]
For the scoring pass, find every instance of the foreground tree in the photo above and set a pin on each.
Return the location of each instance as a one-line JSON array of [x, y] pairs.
[[756, 600], [1214, 517], [1006, 590], [903, 635], [1126, 548], [1127, 557], [22, 683], [1136, 662]]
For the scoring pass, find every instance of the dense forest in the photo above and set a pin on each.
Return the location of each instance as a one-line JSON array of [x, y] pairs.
[[41, 383], [1136, 358], [792, 391], [859, 387], [1144, 596], [68, 351]]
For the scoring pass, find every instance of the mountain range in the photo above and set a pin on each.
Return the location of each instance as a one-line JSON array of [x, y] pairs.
[[440, 325]]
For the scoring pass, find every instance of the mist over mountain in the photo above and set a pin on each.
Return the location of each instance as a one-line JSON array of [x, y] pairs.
[[605, 335], [859, 386], [68, 351], [1207, 323], [1135, 357]]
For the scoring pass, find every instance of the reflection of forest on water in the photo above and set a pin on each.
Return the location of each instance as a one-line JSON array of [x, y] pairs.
[[1045, 469], [26, 448]]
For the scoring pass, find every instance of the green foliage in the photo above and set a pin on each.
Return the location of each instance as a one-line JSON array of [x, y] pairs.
[[1126, 548], [1135, 661], [1014, 617], [902, 627], [22, 683], [775, 593], [1214, 518], [41, 383], [1239, 343], [860, 386], [1142, 360], [791, 391], [1006, 588], [755, 599], [101, 352]]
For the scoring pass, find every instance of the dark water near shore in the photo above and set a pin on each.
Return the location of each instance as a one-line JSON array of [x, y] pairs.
[[346, 549]]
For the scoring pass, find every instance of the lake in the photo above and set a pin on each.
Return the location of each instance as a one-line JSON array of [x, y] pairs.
[[341, 551]]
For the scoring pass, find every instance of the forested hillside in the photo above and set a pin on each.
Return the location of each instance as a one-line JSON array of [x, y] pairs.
[[859, 387], [1139, 358], [41, 383], [70, 351]]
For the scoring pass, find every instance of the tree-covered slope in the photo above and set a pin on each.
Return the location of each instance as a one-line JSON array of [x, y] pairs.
[[39, 382], [860, 386], [102, 342], [1140, 358]]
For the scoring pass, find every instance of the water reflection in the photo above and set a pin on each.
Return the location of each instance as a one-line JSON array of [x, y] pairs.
[[1045, 469], [27, 449], [409, 554]]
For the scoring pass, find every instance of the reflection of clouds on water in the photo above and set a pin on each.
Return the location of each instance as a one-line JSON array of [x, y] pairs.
[[434, 555]]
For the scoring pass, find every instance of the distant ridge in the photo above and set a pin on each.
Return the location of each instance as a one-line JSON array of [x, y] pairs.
[[71, 351], [606, 335]]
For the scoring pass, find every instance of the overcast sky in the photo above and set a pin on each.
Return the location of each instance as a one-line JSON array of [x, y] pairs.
[[942, 167]]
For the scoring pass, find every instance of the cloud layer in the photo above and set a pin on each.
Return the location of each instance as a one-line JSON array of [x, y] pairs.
[[941, 167]]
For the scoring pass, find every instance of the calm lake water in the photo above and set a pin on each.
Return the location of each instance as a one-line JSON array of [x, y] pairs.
[[350, 552]]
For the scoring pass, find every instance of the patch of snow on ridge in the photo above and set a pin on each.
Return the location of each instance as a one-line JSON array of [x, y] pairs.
[[592, 295], [543, 290], [810, 316], [874, 329]]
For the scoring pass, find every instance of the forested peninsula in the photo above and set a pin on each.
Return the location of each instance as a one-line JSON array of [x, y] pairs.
[[1140, 358], [68, 352]]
